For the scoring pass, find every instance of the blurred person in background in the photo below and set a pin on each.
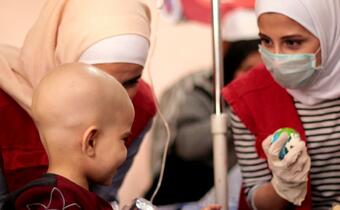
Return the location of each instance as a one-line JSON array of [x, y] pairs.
[[187, 106]]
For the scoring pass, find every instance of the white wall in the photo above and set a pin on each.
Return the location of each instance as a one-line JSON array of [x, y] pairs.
[[180, 49]]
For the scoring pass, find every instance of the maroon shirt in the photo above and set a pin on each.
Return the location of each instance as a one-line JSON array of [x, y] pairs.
[[54, 192]]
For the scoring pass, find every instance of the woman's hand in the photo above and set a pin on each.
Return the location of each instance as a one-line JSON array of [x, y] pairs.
[[290, 174]]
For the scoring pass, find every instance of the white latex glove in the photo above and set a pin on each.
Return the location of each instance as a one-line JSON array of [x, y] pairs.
[[290, 174]]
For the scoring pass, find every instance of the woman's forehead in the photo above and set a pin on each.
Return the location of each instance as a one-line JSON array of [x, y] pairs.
[[276, 23]]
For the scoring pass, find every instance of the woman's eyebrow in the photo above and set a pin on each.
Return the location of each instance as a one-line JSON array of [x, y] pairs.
[[292, 36], [263, 35]]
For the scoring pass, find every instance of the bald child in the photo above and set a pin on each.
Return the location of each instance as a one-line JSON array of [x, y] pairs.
[[84, 117]]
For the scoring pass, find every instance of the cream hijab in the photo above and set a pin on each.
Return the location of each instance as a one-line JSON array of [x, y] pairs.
[[321, 18], [62, 32]]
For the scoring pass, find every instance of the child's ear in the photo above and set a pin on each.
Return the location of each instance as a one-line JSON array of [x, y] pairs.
[[89, 141]]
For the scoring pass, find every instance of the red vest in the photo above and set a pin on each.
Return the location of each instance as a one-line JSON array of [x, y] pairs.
[[263, 106], [24, 158]]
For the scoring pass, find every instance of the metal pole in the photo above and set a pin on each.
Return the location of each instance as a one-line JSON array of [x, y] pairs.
[[219, 119], [217, 55]]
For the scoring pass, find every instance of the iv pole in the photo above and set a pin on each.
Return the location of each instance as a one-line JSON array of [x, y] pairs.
[[219, 118]]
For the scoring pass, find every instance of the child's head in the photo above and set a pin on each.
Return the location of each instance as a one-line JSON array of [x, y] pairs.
[[83, 116]]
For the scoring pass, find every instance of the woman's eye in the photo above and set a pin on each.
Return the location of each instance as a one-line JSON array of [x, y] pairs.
[[265, 41], [293, 44], [130, 83]]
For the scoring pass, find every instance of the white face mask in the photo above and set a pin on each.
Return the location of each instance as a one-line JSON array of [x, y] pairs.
[[291, 71]]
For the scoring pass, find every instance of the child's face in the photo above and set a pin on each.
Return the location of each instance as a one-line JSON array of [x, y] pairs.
[[111, 151]]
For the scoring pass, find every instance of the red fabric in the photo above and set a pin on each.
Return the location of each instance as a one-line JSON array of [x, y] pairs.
[[145, 110], [24, 158], [264, 106], [200, 10], [59, 193]]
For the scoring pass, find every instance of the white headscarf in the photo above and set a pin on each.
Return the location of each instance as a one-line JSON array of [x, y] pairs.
[[322, 19], [129, 48]]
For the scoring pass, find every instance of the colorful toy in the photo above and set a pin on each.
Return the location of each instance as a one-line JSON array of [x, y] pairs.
[[291, 133]]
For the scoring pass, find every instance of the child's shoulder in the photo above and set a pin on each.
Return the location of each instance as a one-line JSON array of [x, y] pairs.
[[52, 191], [48, 192]]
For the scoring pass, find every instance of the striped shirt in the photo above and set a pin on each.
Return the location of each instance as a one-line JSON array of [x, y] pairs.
[[322, 127]]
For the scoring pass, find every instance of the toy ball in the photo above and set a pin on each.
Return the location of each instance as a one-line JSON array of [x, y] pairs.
[[291, 135]]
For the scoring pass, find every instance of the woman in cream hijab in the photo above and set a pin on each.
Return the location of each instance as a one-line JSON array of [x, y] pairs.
[[110, 34]]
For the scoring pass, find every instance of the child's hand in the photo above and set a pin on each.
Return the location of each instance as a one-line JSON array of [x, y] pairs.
[[213, 207]]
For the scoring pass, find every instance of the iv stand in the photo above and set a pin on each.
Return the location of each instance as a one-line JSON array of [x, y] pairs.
[[219, 118]]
